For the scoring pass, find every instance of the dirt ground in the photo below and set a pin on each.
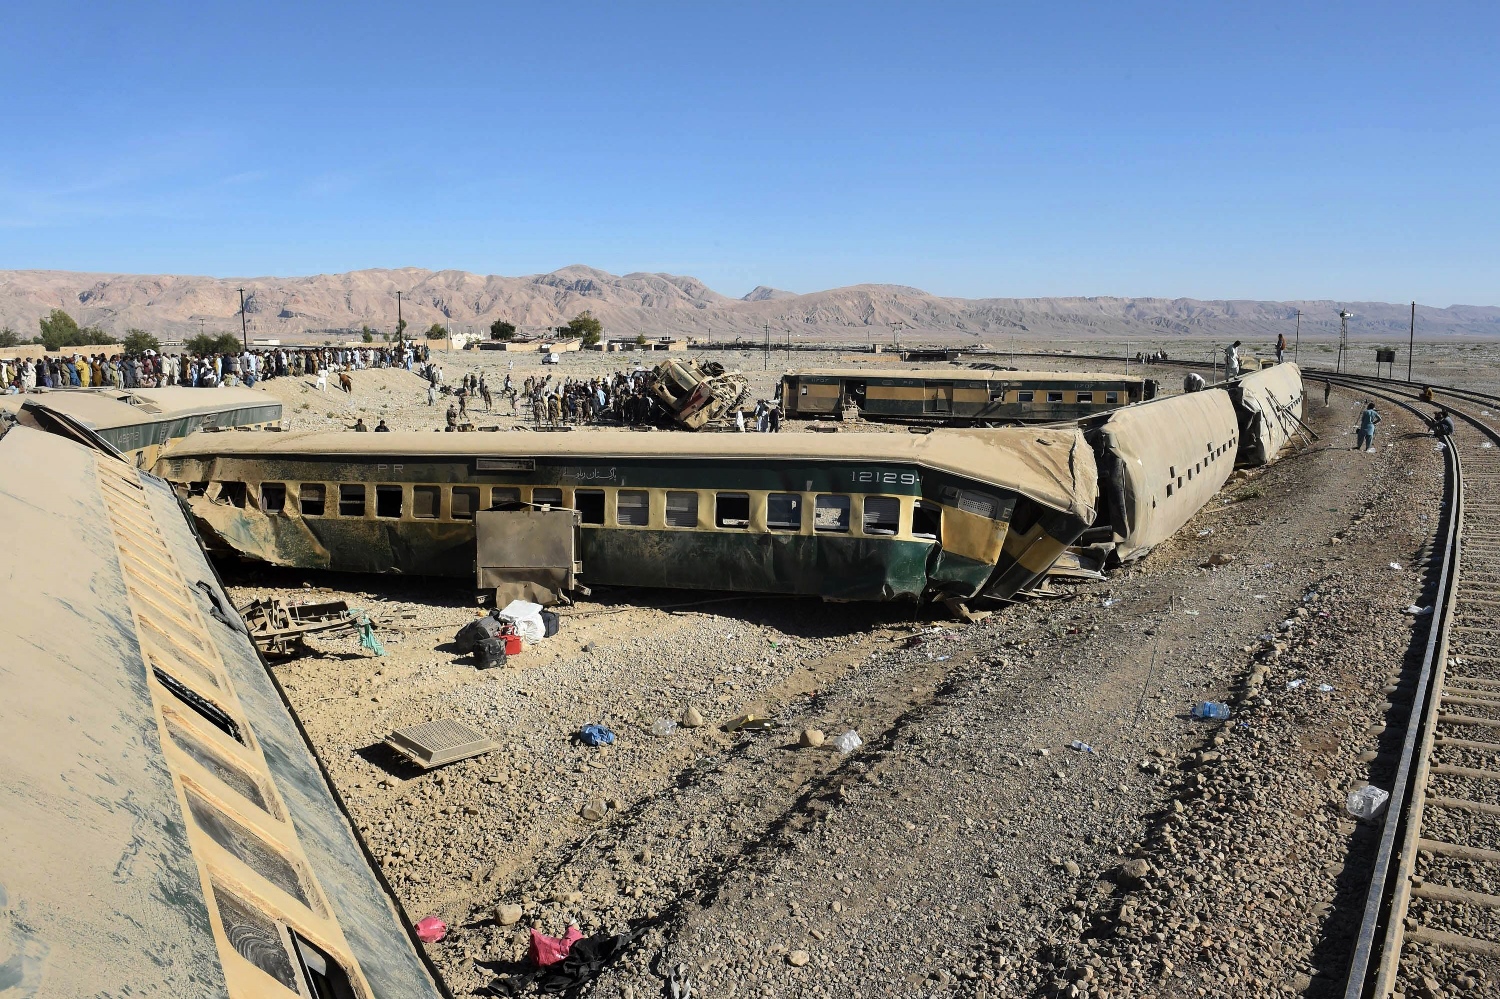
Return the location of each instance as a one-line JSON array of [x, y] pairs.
[[965, 848]]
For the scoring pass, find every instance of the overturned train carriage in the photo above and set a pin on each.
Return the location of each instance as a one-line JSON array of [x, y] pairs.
[[872, 517], [168, 831], [1159, 463], [1269, 402]]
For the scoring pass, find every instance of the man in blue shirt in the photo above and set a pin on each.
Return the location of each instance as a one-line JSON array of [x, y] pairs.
[[1364, 440]]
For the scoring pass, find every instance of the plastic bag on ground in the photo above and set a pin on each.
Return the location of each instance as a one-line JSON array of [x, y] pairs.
[[848, 742], [545, 950], [431, 929], [1367, 803], [527, 618], [595, 735]]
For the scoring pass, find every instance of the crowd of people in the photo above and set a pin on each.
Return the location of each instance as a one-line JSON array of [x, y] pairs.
[[155, 370]]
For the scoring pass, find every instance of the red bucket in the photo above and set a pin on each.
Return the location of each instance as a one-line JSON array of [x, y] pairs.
[[512, 645]]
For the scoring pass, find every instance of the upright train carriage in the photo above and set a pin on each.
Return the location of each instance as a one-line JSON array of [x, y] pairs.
[[957, 397], [868, 517], [168, 830]]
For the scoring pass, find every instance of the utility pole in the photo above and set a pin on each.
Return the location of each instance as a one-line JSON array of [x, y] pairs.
[[244, 331], [1343, 338], [1297, 351], [400, 333], [1411, 342], [768, 346]]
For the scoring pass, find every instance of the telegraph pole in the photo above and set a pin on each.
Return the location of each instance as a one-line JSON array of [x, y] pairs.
[[1411, 342], [768, 346], [245, 333], [400, 333], [1343, 338], [1297, 351]]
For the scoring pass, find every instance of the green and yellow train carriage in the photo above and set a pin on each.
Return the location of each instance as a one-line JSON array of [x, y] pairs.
[[872, 517], [960, 397]]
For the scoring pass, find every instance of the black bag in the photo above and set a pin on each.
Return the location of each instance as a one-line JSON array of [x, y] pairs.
[[550, 621], [475, 632], [489, 653]]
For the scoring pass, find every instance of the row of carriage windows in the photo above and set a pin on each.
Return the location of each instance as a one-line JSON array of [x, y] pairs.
[[878, 516], [1176, 481]]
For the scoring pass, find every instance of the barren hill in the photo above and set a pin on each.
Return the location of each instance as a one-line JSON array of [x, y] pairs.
[[628, 304]]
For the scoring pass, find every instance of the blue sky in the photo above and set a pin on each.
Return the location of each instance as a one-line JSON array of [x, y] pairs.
[[1209, 150]]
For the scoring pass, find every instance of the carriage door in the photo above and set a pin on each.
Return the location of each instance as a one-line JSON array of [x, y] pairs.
[[939, 398]]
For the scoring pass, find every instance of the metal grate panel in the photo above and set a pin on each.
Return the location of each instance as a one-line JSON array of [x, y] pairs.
[[434, 743]]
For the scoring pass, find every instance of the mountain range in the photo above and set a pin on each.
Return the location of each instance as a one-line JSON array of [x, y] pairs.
[[660, 304]]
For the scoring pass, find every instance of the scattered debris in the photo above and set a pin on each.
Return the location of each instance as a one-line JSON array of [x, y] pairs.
[[1213, 710], [1080, 746], [1294, 684], [811, 738], [431, 929], [595, 735], [432, 744], [750, 723], [1416, 611], [663, 727], [848, 742], [281, 629], [546, 951], [1367, 803]]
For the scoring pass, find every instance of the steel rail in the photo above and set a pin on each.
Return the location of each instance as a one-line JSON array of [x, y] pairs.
[[1374, 972]]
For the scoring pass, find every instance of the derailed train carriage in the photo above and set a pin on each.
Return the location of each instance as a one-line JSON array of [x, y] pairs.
[[139, 422], [168, 830], [950, 514], [869, 517]]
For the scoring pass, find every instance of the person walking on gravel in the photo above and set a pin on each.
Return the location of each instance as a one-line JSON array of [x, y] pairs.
[[1280, 348], [1327, 391], [1364, 440]]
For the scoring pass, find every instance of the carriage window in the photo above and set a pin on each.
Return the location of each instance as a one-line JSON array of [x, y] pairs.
[[732, 510], [312, 499], [233, 493], [682, 509], [831, 513], [926, 521], [505, 496], [633, 508], [1111, 397], [1054, 397], [465, 502], [882, 515], [325, 976], [1169, 489], [1025, 396], [425, 502], [352, 501], [1085, 397], [273, 496], [387, 501], [784, 512], [547, 497], [590, 505]]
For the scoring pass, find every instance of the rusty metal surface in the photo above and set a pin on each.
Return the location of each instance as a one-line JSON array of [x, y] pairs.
[[526, 554]]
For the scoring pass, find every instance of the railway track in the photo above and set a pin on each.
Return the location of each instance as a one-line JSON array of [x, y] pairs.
[[1431, 923]]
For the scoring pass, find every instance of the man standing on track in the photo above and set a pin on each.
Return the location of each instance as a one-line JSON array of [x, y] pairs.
[[1280, 348]]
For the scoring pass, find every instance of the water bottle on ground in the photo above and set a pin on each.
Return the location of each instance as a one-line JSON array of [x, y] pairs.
[[1216, 710], [1082, 747]]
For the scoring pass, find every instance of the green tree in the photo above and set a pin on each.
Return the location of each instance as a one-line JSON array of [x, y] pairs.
[[401, 330], [367, 334], [436, 332], [58, 330], [640, 339], [502, 330], [139, 341], [205, 344], [9, 337], [586, 326]]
